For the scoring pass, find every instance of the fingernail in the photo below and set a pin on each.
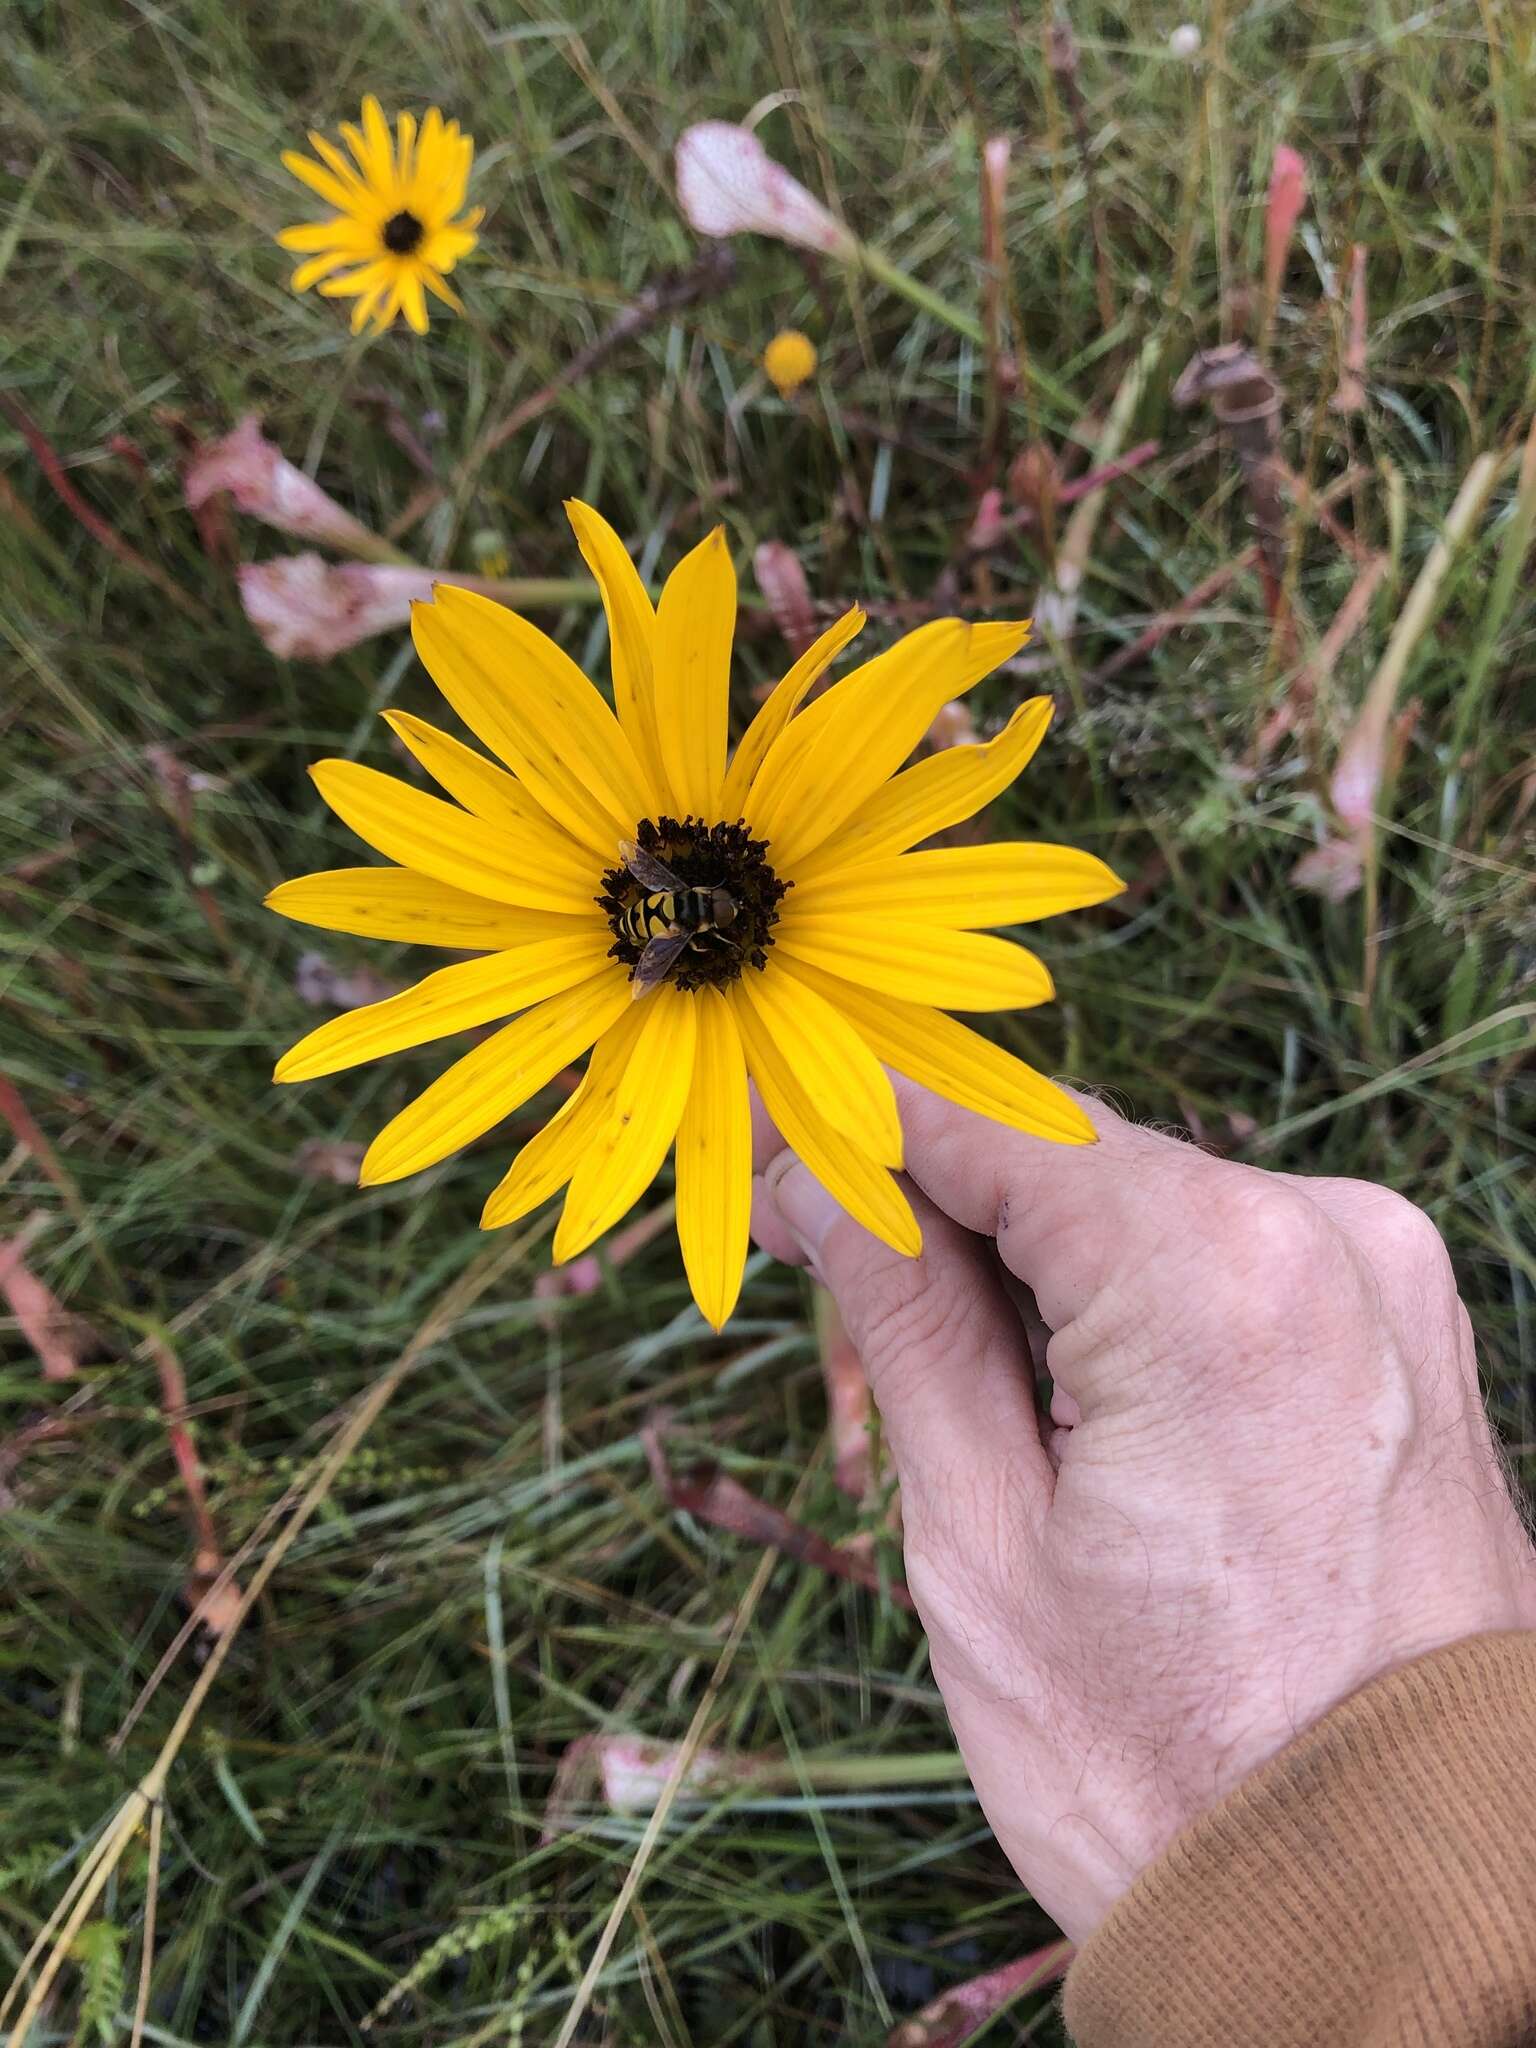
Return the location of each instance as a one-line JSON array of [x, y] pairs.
[[807, 1209]]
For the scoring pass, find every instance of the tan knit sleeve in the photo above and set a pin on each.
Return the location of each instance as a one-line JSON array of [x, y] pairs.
[[1373, 1886]]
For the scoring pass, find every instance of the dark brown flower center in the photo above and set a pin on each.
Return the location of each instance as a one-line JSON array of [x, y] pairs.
[[727, 902], [402, 232]]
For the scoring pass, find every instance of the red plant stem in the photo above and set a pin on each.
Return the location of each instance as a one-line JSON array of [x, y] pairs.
[[664, 296], [1061, 56], [1025, 516], [29, 1135], [47, 459], [1176, 614], [173, 1395], [994, 261], [712, 1496], [953, 2018]]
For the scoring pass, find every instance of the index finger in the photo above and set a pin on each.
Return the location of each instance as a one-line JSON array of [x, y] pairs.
[[1070, 1220]]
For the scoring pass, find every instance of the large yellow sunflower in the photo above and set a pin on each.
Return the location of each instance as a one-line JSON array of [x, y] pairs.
[[397, 229], [816, 949]]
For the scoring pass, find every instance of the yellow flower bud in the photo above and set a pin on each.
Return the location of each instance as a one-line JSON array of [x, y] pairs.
[[789, 359]]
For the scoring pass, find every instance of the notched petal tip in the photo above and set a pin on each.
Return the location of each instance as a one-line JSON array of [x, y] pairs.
[[1000, 639], [584, 519]]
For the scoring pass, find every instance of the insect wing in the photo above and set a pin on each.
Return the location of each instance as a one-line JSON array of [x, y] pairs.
[[656, 961], [648, 871]]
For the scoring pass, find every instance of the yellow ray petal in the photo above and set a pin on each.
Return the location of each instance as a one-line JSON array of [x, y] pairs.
[[530, 704], [371, 280], [497, 1077], [397, 903], [546, 1162], [624, 1157], [439, 290], [507, 864], [445, 248], [950, 970], [832, 1063], [552, 1155], [695, 624], [942, 1054], [405, 151], [631, 639], [413, 301], [457, 169], [454, 999], [321, 182], [479, 785], [378, 160], [934, 650], [834, 756], [429, 147], [338, 233], [784, 701], [330, 155], [934, 794], [451, 161], [968, 887], [320, 266], [376, 304], [865, 1189], [714, 1163]]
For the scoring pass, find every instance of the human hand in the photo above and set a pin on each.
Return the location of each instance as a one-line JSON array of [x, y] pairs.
[[1267, 1478]]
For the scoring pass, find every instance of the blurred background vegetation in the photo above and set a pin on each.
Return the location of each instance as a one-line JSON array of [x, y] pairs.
[[356, 1815]]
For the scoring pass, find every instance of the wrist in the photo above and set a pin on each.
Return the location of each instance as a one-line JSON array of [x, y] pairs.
[[1389, 1843]]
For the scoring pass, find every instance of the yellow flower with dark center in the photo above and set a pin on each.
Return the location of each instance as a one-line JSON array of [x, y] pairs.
[[789, 361], [397, 229], [692, 917]]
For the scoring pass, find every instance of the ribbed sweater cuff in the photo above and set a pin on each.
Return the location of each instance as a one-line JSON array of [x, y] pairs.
[[1373, 1886]]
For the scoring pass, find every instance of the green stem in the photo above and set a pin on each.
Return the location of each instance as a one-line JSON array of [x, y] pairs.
[[880, 266], [1515, 545], [371, 547], [867, 1773]]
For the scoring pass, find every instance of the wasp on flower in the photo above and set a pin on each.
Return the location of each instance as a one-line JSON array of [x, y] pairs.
[[765, 904]]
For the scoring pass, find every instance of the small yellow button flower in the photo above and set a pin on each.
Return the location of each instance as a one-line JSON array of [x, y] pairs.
[[789, 361], [397, 229]]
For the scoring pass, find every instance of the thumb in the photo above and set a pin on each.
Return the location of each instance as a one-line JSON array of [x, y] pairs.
[[943, 1345]]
